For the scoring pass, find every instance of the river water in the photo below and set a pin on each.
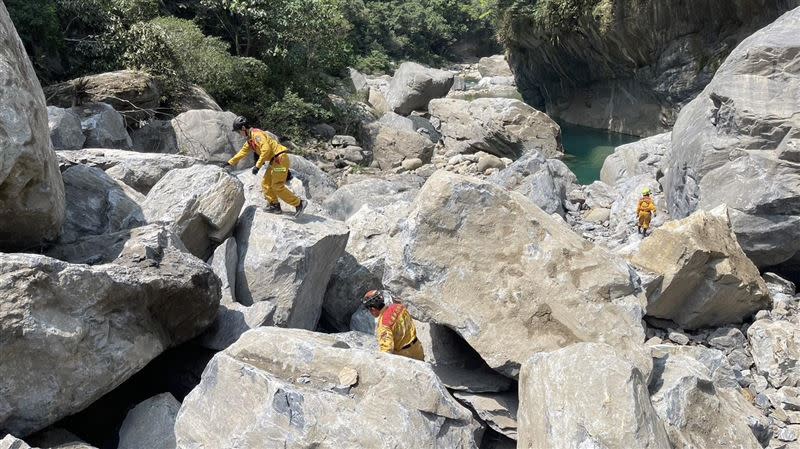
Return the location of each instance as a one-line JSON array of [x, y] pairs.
[[587, 148]]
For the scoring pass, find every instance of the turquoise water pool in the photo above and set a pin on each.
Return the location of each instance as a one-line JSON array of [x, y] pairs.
[[587, 148]]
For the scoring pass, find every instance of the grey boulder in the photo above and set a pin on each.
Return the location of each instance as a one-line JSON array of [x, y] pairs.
[[496, 65], [102, 126], [201, 203], [731, 144], [72, 333], [298, 389], [12, 442], [586, 396], [375, 192], [65, 129], [704, 277], [581, 292], [544, 181], [139, 170], [31, 189], [391, 142], [697, 411], [287, 263], [500, 126], [776, 348], [414, 86], [207, 135], [133, 91], [647, 156], [150, 424], [98, 204]]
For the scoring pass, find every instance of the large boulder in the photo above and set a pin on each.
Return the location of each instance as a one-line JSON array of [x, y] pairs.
[[31, 189], [391, 142], [97, 204], [647, 156], [580, 293], [776, 348], [132, 91], [139, 170], [293, 388], [697, 411], [496, 65], [544, 181], [193, 97], [375, 192], [201, 203], [728, 144], [412, 123], [102, 126], [72, 333], [704, 277], [207, 135], [586, 396], [414, 86], [65, 129], [287, 263], [150, 424], [500, 126]]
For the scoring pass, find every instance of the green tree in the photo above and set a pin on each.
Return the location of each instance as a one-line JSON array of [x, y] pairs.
[[39, 29]]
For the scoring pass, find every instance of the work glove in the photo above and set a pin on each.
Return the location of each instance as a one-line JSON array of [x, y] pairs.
[[227, 167], [255, 170]]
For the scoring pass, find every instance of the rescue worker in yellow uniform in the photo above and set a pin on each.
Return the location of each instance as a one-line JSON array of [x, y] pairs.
[[277, 156], [645, 210], [395, 329]]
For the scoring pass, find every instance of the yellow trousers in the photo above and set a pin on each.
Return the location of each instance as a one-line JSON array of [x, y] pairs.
[[274, 182], [644, 220], [414, 351]]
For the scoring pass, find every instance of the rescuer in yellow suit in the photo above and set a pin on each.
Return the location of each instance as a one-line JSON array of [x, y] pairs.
[[395, 329], [645, 210], [276, 155]]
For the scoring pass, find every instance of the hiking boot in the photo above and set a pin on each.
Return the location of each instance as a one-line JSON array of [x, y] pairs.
[[274, 208], [300, 208]]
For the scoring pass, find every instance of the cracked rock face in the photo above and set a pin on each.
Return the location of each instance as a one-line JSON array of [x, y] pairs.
[[736, 144], [293, 388]]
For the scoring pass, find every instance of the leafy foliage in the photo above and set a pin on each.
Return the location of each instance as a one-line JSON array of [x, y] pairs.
[[269, 60], [420, 30], [551, 16]]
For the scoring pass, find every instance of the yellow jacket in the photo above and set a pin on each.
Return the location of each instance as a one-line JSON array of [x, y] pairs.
[[265, 147], [395, 329], [645, 206]]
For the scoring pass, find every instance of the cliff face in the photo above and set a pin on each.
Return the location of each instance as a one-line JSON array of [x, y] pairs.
[[624, 65]]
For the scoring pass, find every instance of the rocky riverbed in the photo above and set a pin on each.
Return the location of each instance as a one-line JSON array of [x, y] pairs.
[[147, 300]]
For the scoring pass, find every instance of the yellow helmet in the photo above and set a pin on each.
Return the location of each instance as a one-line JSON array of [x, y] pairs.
[[646, 191]]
